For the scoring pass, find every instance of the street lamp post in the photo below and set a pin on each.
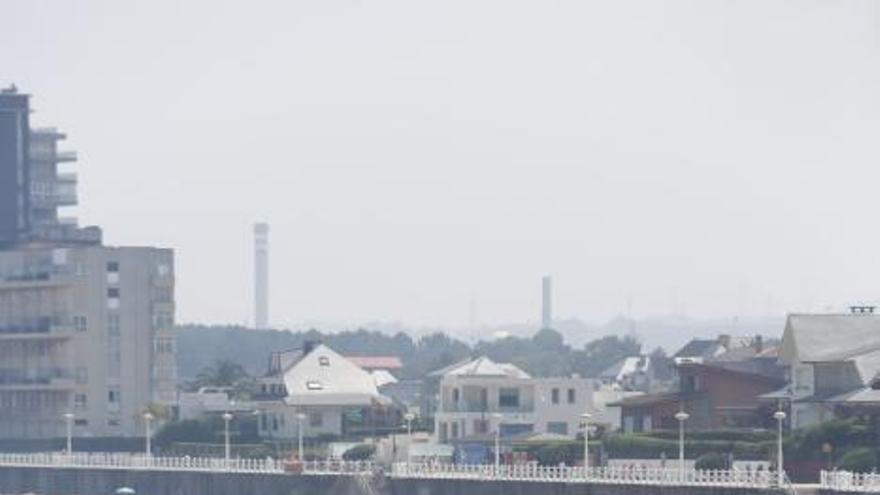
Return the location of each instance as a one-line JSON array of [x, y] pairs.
[[409, 417], [300, 417], [681, 416], [148, 433], [586, 417], [227, 417], [780, 473], [497, 417], [68, 418]]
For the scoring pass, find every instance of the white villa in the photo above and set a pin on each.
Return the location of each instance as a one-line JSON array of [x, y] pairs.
[[335, 395], [474, 392]]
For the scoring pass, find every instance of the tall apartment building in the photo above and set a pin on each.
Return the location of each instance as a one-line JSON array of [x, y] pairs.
[[84, 328]]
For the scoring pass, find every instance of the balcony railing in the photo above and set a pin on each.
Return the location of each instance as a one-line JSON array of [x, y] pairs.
[[38, 376], [468, 407], [32, 277], [205, 464], [598, 475], [66, 156]]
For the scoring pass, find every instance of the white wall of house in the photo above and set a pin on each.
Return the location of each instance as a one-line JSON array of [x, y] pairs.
[[540, 405], [278, 420]]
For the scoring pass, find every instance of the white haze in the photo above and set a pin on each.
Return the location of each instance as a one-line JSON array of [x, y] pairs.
[[420, 159]]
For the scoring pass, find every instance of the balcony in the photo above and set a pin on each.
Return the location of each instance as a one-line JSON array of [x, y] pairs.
[[39, 278], [42, 329], [35, 379], [66, 156], [67, 177], [481, 408]]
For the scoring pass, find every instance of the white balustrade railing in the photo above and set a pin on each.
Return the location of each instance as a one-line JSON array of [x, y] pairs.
[[604, 475], [847, 481], [186, 463]]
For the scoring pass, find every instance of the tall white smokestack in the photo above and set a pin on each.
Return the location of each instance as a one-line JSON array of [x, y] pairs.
[[547, 307], [261, 275]]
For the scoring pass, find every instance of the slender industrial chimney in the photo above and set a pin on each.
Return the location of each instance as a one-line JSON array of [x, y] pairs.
[[547, 306], [261, 275]]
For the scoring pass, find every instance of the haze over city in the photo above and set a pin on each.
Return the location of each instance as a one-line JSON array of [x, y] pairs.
[[418, 159]]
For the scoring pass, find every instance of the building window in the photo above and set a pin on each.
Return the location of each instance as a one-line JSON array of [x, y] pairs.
[[80, 401], [571, 396], [316, 420], [455, 395], [113, 266], [162, 269], [113, 396], [324, 361], [554, 396], [508, 397], [162, 321], [81, 422], [481, 427], [80, 323], [314, 385], [454, 430], [113, 422], [113, 293], [82, 375], [558, 427], [688, 383], [113, 324]]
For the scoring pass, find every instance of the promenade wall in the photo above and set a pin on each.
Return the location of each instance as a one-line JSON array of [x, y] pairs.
[[67, 481]]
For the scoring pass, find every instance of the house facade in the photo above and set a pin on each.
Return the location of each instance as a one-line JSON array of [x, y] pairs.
[[319, 391], [717, 394], [480, 397], [833, 362]]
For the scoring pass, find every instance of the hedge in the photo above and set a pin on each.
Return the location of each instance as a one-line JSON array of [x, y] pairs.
[[642, 447]]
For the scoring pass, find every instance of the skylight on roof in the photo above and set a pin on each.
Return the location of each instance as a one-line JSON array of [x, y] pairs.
[[314, 385]]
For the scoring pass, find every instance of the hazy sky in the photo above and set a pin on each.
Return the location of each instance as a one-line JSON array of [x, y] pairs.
[[711, 157]]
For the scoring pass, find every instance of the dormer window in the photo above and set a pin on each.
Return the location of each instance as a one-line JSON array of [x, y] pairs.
[[314, 385], [324, 361]]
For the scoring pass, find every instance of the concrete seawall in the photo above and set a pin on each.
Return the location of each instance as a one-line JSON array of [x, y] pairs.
[[467, 487], [54, 481], [47, 481]]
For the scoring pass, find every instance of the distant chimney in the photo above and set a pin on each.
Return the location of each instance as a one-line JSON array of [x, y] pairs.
[[862, 310], [309, 346], [261, 275], [758, 344], [547, 303]]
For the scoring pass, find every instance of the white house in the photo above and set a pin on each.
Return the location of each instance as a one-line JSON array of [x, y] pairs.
[[333, 395], [833, 361], [472, 393]]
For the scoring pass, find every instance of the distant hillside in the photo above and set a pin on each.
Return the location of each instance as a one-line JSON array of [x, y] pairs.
[[199, 346], [545, 353]]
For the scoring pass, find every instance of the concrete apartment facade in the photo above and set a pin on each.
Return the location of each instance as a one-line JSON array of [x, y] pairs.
[[84, 328], [473, 392]]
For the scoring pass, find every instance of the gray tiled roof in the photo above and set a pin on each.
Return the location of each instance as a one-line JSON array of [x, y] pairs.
[[833, 337]]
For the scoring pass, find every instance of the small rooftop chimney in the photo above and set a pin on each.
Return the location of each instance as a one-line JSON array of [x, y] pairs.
[[309, 346], [758, 344]]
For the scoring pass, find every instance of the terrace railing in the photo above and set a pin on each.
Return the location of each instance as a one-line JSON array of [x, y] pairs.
[[847, 481], [186, 463], [598, 475]]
